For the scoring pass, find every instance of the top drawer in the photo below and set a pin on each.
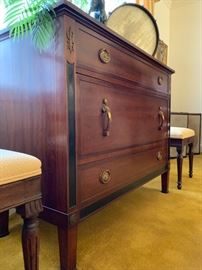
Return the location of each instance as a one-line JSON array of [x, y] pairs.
[[104, 56]]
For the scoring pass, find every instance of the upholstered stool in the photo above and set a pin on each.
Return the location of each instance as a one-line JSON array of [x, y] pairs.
[[20, 188], [179, 137]]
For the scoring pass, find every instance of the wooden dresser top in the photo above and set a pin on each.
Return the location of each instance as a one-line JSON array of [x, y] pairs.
[[67, 8]]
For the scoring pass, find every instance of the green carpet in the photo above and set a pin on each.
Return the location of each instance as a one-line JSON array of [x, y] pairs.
[[142, 230]]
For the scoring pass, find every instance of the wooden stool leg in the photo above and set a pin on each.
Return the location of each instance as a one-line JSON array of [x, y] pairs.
[[4, 223], [30, 244], [30, 238], [67, 246], [179, 167], [191, 160], [165, 182]]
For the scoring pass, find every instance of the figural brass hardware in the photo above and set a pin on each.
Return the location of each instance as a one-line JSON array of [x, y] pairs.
[[159, 155], [161, 118], [105, 176], [104, 56], [107, 117], [160, 80]]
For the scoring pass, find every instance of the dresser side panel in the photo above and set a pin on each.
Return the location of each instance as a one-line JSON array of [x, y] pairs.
[[33, 117]]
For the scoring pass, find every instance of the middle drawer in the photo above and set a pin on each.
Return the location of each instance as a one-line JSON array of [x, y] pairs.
[[110, 117]]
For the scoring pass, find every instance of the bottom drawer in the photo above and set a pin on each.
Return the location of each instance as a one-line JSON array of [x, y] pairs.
[[102, 178]]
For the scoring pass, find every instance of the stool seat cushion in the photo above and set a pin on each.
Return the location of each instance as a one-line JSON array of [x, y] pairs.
[[181, 133], [15, 166]]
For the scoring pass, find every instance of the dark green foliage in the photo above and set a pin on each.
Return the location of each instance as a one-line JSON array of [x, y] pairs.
[[33, 16]]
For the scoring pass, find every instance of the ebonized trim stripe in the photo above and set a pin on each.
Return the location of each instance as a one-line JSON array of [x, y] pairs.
[[72, 142]]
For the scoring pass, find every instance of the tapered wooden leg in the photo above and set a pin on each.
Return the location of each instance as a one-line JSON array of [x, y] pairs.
[[191, 160], [67, 246], [4, 223], [179, 167], [165, 182], [30, 244], [30, 236]]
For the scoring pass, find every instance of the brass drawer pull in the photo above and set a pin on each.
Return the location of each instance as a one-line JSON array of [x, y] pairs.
[[160, 80], [159, 155], [104, 56], [107, 117], [161, 118], [105, 176]]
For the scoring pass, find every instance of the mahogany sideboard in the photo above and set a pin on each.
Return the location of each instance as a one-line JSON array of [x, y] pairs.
[[94, 108]]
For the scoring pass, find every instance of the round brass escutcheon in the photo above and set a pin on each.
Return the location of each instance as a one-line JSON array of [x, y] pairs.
[[159, 155], [104, 56], [105, 176], [160, 80]]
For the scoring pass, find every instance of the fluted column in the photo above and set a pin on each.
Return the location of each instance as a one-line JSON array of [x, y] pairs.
[[30, 237]]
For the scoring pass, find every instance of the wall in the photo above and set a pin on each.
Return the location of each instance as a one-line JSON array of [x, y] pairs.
[[180, 25], [162, 16], [185, 56]]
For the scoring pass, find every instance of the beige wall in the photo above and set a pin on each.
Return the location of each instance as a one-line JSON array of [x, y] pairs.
[[180, 25], [185, 57], [162, 16]]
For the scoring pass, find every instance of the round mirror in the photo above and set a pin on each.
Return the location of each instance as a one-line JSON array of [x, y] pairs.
[[135, 24]]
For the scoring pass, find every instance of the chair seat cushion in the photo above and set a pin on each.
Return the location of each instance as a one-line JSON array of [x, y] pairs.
[[181, 133], [15, 166]]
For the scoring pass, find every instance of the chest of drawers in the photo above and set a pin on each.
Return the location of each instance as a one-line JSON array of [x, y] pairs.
[[94, 109]]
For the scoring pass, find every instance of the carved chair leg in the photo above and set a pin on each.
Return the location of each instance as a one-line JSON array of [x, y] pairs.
[[179, 167], [191, 160], [30, 244], [30, 237], [165, 182], [67, 246], [4, 223]]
